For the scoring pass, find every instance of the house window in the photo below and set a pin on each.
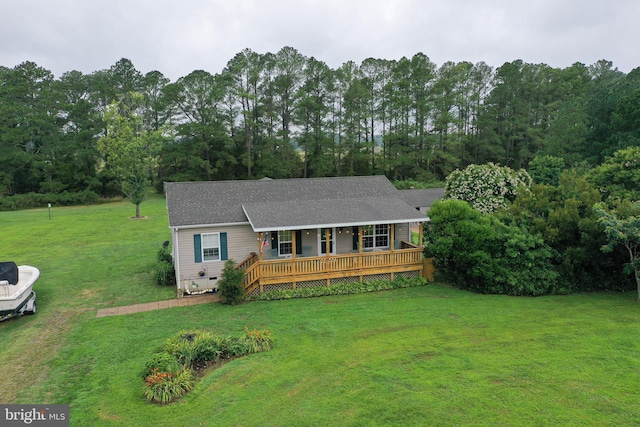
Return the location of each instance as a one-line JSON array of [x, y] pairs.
[[375, 236], [284, 242], [211, 247]]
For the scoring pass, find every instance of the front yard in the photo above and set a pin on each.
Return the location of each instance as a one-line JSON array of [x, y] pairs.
[[431, 355]]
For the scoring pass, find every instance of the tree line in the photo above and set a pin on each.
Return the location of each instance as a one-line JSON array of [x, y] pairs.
[[286, 115]]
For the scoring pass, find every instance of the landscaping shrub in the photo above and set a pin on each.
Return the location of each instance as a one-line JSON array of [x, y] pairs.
[[341, 289], [161, 362], [478, 252], [165, 274], [258, 341], [169, 374], [190, 347], [163, 387], [234, 347], [231, 284]]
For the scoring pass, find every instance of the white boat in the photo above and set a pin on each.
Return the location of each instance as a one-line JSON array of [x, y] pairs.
[[16, 289]]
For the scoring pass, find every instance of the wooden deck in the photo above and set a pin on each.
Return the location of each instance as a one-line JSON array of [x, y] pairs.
[[294, 270]]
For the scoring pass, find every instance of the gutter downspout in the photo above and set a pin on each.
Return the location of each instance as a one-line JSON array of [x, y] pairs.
[[176, 257]]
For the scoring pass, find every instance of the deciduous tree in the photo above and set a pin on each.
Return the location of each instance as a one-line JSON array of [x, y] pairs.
[[622, 227], [128, 150], [487, 187]]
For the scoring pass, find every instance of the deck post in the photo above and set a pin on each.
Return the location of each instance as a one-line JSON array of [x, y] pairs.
[[260, 239]]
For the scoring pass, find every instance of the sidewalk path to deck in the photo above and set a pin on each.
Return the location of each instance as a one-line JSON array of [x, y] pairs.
[[157, 305]]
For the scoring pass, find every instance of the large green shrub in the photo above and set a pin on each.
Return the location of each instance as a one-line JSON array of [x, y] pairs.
[[480, 253], [231, 284], [564, 217]]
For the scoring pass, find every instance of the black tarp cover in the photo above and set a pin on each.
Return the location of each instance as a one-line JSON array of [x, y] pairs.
[[9, 272]]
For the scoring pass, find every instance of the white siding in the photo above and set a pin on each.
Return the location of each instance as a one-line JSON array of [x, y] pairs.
[[344, 241], [241, 241], [402, 233]]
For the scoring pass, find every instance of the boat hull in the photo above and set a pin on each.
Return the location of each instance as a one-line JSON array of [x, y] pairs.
[[14, 296]]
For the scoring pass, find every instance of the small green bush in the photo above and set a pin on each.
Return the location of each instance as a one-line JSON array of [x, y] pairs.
[[161, 362], [231, 284], [235, 347], [165, 274], [163, 387], [164, 253], [190, 347], [257, 341]]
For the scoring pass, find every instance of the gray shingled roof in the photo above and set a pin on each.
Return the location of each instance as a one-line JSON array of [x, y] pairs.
[[421, 198], [288, 203]]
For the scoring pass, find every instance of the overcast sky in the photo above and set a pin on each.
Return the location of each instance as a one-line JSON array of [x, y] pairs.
[[178, 37]]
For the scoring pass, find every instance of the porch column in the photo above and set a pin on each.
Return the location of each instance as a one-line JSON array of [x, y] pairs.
[[293, 244], [393, 237], [327, 236], [359, 239], [293, 255], [260, 240], [420, 234]]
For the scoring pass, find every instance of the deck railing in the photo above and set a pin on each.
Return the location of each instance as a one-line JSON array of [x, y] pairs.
[[321, 267], [248, 261]]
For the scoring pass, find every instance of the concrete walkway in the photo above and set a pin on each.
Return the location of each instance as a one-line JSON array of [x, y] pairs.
[[157, 305]]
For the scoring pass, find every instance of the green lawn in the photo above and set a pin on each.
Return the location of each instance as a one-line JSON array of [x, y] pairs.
[[432, 355]]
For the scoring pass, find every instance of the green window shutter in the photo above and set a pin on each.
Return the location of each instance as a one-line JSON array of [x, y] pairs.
[[197, 247], [298, 242], [354, 231], [224, 252]]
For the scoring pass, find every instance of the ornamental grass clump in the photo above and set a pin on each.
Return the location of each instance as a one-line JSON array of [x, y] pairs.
[[190, 347], [163, 387], [258, 341], [161, 362]]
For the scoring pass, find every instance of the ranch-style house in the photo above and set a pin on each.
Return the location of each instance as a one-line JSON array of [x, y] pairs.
[[293, 233]]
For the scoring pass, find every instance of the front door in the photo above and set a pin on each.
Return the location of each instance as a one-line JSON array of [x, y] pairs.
[[322, 241]]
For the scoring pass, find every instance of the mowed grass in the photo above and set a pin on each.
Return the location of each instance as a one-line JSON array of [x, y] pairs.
[[432, 355]]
